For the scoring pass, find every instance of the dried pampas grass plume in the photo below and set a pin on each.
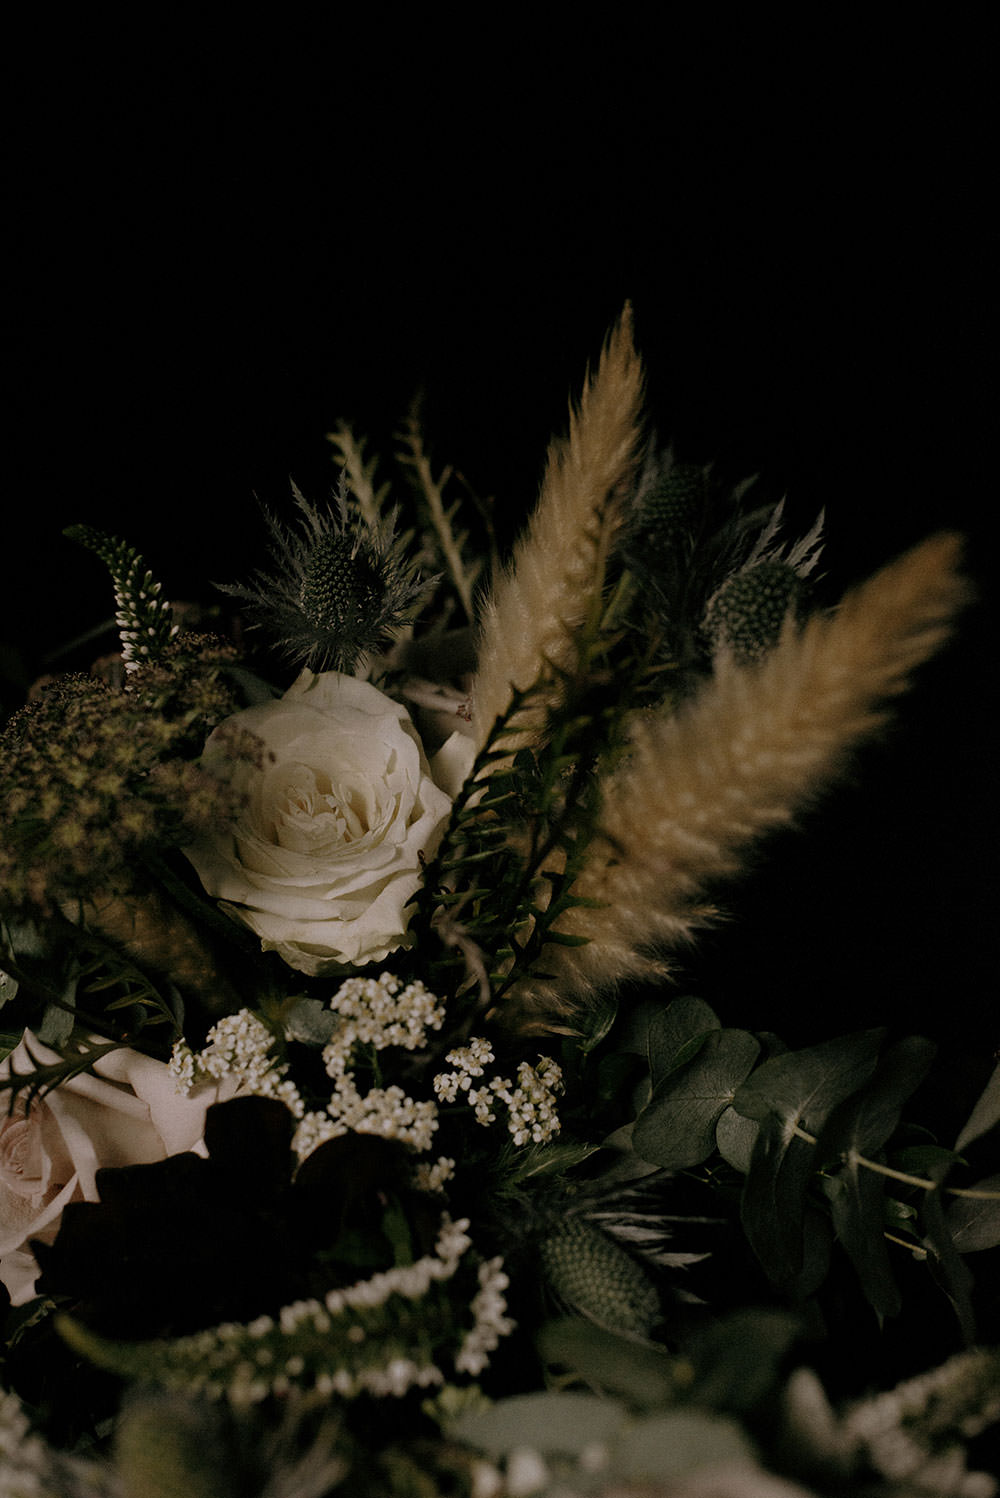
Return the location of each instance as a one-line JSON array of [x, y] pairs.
[[535, 608], [756, 745]]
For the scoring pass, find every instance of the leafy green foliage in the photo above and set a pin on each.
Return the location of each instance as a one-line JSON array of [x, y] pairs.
[[678, 1126], [812, 1134]]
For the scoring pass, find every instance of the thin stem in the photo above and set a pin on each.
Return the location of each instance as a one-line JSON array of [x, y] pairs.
[[854, 1158]]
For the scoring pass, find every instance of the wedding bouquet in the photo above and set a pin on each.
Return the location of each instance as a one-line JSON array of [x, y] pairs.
[[353, 1139]]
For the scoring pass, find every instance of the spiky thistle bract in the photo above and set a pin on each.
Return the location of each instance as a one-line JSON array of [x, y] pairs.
[[338, 588]]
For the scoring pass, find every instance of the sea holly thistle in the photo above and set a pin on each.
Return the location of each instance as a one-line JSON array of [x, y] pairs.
[[336, 591]]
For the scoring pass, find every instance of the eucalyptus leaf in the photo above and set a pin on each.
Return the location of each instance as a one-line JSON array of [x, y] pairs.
[[677, 1129], [310, 1022], [676, 1035], [737, 1357], [640, 1373], [550, 1422], [974, 1222], [791, 1096], [802, 1087], [735, 1137], [56, 1025], [984, 1115], [658, 1447], [858, 1127], [863, 1122], [946, 1263], [773, 1204], [857, 1204]]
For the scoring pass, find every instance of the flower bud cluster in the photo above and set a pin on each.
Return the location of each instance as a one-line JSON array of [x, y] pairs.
[[531, 1103]]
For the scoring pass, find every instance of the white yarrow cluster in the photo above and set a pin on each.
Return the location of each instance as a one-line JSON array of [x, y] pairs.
[[386, 1111], [531, 1103], [380, 1012], [238, 1048]]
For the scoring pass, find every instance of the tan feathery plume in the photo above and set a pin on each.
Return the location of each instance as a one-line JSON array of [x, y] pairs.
[[536, 606], [756, 745]]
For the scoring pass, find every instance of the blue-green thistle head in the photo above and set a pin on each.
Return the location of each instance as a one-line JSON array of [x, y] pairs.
[[337, 590], [747, 613]]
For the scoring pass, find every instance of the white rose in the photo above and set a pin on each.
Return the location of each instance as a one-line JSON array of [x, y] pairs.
[[126, 1112], [326, 853]]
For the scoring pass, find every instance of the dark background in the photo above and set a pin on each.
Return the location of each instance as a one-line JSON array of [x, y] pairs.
[[223, 244]]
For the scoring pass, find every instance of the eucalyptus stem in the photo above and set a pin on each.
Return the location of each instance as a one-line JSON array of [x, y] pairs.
[[853, 1157]]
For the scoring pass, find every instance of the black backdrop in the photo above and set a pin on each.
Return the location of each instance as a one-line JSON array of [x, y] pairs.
[[223, 243]]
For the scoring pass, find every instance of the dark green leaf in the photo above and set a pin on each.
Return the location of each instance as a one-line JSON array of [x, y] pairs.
[[641, 1373], [802, 1087], [549, 1422], [677, 1129], [677, 1034], [774, 1199], [736, 1357], [864, 1122], [946, 1263], [857, 1204], [735, 1137], [974, 1222], [662, 1446], [860, 1126], [930, 1160], [984, 1115]]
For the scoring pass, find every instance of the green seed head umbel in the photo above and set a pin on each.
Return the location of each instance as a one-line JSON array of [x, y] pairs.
[[588, 1271], [747, 612]]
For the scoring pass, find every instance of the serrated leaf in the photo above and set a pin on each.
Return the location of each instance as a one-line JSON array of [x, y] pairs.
[[985, 1115], [676, 1034], [677, 1129], [974, 1222]]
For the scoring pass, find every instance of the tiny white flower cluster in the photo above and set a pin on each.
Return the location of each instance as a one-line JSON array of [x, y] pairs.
[[490, 1321], [531, 1105], [334, 1345], [386, 1111], [433, 1177], [239, 1048], [380, 1012]]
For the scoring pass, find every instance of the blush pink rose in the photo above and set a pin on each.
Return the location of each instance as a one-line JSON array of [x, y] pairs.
[[127, 1111]]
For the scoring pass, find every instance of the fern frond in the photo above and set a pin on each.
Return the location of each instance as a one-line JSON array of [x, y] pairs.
[[536, 607], [756, 745]]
